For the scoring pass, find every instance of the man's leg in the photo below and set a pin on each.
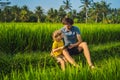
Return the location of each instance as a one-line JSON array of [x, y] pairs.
[[68, 57], [86, 52]]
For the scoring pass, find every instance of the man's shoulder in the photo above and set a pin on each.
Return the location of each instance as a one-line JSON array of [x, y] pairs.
[[75, 27]]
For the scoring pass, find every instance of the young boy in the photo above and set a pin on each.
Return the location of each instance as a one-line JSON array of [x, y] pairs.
[[57, 48]]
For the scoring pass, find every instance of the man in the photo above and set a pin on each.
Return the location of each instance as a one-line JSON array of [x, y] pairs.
[[72, 39]]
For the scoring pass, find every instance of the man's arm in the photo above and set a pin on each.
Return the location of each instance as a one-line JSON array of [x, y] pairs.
[[78, 42], [79, 39]]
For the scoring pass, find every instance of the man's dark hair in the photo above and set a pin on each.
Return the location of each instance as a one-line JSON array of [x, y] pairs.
[[67, 21]]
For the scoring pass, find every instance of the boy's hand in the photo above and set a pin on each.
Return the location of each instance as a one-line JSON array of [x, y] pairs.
[[51, 54]]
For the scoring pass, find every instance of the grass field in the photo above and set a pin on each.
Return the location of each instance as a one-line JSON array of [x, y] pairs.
[[25, 49]]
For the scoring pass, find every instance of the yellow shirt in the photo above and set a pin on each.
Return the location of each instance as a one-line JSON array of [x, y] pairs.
[[57, 45]]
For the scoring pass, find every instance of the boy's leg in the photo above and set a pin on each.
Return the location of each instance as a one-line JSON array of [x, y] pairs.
[[62, 63], [64, 59]]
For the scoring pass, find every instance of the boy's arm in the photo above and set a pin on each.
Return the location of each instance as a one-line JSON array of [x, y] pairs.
[[51, 54], [57, 49]]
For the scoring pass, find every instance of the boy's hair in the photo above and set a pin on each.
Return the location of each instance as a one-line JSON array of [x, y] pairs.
[[56, 34], [67, 21]]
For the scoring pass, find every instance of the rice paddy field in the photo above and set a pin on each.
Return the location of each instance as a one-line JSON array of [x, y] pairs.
[[25, 52]]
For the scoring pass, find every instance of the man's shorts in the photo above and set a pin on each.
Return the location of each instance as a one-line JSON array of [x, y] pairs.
[[74, 51]]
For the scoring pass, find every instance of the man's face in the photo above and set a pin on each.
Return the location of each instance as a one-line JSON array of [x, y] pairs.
[[68, 26]]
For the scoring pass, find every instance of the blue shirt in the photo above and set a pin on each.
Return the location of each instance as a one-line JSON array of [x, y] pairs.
[[70, 36]]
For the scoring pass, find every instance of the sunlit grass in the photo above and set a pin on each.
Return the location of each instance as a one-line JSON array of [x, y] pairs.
[[21, 37], [25, 52], [108, 71], [40, 66]]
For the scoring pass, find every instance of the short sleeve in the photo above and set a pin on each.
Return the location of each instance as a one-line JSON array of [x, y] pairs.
[[54, 45], [77, 30]]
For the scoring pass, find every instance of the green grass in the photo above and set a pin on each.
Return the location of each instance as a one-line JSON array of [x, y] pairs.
[[25, 52], [108, 71], [22, 37], [40, 66]]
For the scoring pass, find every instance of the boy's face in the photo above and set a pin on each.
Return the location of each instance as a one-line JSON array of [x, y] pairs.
[[59, 38]]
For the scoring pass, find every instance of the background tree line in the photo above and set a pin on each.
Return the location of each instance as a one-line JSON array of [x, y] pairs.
[[90, 12]]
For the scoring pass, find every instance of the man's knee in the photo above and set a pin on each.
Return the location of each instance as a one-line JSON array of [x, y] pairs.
[[65, 50], [82, 44]]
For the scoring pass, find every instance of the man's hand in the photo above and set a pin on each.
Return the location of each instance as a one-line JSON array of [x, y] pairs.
[[71, 46]]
